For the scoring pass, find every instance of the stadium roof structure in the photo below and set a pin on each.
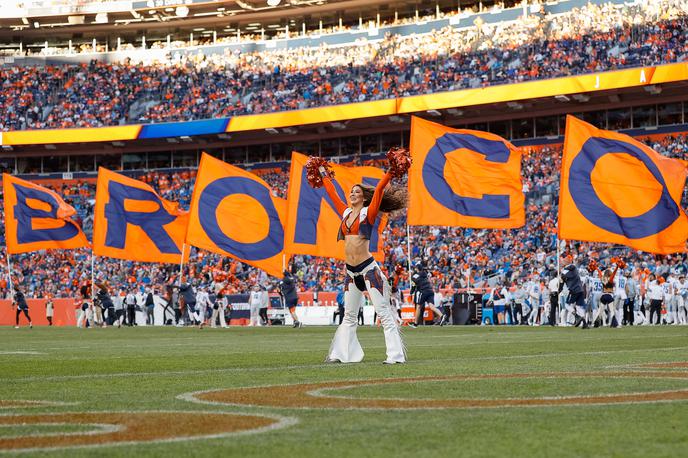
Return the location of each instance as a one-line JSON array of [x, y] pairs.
[[578, 94], [104, 20]]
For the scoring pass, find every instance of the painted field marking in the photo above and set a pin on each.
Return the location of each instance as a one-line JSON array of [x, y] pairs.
[[96, 428], [20, 352], [315, 396], [23, 403], [136, 427]]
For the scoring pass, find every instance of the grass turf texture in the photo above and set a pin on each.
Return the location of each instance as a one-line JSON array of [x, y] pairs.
[[145, 369]]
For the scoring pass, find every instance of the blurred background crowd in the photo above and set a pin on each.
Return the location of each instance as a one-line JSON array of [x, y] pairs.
[[186, 86], [456, 257]]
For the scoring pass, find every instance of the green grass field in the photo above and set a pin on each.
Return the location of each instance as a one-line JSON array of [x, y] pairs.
[[147, 369]]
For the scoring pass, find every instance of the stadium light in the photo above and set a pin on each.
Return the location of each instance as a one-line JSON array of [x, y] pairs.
[[434, 113], [562, 98], [581, 97], [274, 2], [182, 11]]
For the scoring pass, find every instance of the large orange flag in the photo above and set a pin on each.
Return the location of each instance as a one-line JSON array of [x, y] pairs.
[[618, 190], [133, 222], [313, 222], [463, 177], [36, 218], [234, 213]]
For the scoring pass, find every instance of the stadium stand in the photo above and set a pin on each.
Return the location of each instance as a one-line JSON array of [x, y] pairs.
[[203, 79], [491, 255], [198, 86]]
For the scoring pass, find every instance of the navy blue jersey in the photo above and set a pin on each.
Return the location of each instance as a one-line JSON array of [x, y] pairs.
[[288, 288], [573, 282], [421, 282], [105, 299], [188, 293], [20, 300]]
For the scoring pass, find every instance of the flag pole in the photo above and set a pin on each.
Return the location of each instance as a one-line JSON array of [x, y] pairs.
[[284, 262], [408, 246], [558, 276], [93, 275], [468, 278], [558, 255], [9, 275], [181, 265]]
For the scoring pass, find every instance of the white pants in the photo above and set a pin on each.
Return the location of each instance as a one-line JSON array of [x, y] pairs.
[[195, 313], [255, 315], [682, 310], [532, 317], [345, 345], [219, 311], [84, 317], [618, 309], [671, 306]]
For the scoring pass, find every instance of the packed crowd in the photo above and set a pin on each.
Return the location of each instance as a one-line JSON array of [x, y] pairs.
[[186, 86], [245, 36], [456, 256]]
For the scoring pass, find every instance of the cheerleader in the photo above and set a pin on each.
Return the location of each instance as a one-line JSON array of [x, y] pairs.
[[608, 288], [364, 274]]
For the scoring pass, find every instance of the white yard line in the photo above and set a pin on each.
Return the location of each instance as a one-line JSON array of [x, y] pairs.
[[323, 365]]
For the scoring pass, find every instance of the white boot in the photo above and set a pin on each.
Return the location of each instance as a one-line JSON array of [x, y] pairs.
[[345, 347], [395, 345]]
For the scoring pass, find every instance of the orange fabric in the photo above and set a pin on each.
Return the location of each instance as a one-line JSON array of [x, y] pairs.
[[242, 218], [63, 217], [138, 246], [329, 220], [339, 204], [376, 200], [626, 188], [467, 173]]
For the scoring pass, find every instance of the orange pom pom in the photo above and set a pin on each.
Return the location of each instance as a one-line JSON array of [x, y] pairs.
[[313, 174], [592, 266], [399, 161]]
